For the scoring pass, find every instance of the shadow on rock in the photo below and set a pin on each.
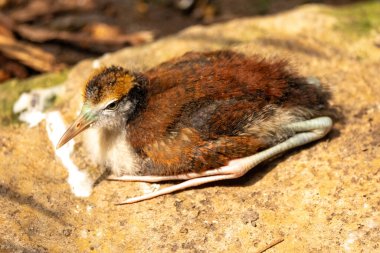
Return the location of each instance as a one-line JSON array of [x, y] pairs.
[[7, 246], [21, 199]]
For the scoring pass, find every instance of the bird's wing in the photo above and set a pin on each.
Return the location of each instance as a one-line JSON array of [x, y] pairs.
[[187, 152]]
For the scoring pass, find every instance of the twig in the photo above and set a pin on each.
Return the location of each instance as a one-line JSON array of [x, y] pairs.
[[39, 34], [272, 244], [36, 9], [28, 54]]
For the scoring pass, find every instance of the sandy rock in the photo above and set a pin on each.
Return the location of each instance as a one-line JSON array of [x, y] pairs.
[[321, 198]]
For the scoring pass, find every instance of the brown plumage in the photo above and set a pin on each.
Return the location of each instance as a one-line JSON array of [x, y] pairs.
[[194, 113], [210, 98]]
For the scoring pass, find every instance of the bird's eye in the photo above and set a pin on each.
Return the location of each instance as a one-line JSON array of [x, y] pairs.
[[112, 106]]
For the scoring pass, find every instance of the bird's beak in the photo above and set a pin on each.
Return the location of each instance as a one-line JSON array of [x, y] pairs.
[[80, 124]]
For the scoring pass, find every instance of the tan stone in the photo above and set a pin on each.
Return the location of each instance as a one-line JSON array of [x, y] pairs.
[[320, 198]]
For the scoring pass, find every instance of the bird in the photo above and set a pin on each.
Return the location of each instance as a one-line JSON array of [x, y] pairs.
[[198, 118]]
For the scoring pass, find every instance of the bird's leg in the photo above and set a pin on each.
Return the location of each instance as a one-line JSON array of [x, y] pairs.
[[306, 132], [155, 179]]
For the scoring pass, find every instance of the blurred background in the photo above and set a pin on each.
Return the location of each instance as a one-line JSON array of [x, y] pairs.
[[39, 36]]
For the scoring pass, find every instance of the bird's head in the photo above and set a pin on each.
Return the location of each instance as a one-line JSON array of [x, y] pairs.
[[112, 97]]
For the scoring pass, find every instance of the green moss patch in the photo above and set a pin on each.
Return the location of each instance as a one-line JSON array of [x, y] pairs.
[[11, 90], [357, 20]]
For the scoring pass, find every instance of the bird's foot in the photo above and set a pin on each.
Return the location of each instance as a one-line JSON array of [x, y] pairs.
[[193, 179]]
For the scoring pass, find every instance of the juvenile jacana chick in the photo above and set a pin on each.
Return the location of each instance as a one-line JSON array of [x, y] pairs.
[[202, 117]]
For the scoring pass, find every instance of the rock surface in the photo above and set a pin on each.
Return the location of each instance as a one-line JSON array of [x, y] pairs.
[[320, 198]]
